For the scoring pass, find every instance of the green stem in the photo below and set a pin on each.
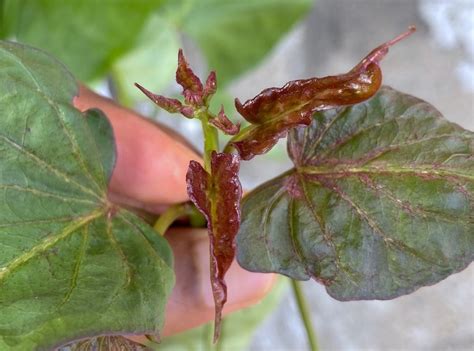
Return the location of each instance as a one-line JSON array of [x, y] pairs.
[[170, 215], [304, 314], [211, 140]]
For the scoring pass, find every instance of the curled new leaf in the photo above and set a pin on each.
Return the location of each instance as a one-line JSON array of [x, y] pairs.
[[210, 88], [218, 198], [168, 104], [225, 124], [192, 86], [276, 110], [196, 97]]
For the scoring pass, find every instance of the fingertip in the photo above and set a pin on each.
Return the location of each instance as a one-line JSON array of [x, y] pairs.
[[151, 162]]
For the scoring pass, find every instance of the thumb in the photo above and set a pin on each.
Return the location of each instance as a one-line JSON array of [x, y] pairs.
[[151, 162]]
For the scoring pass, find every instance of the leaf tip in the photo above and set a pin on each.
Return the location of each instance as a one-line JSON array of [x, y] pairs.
[[181, 58], [217, 328], [376, 55], [239, 106], [148, 93]]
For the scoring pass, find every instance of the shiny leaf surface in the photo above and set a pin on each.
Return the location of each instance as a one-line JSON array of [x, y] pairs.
[[380, 202], [72, 264], [217, 196], [274, 111]]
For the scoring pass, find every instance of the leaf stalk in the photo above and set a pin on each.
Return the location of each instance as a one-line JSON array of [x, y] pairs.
[[211, 139], [170, 215], [304, 314]]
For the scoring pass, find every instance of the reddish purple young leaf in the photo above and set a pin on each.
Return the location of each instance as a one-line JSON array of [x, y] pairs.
[[276, 110], [210, 88], [218, 196], [192, 86], [260, 140], [225, 124], [168, 104]]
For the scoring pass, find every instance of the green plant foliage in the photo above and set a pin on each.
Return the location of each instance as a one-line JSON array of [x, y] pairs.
[[234, 35], [238, 328], [151, 62], [72, 264], [138, 39], [87, 35], [380, 202]]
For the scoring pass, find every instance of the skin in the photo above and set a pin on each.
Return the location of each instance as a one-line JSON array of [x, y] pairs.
[[150, 174]]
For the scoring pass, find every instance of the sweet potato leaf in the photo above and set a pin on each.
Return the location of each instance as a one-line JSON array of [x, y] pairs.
[[380, 201], [222, 122], [217, 196], [275, 111], [105, 343], [87, 35], [72, 264], [197, 98]]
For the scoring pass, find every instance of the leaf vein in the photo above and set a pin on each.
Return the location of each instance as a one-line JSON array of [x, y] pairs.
[[38, 192], [77, 265], [45, 165], [50, 241]]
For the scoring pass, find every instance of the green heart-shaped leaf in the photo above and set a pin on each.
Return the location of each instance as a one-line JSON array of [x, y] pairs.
[[72, 264], [380, 202]]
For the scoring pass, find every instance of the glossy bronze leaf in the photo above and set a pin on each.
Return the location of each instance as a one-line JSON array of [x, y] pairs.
[[380, 201], [275, 111], [218, 196]]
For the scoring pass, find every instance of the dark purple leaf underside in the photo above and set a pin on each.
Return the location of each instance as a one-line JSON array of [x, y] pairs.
[[275, 111], [218, 198]]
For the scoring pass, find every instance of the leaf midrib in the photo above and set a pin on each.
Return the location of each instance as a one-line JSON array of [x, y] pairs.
[[421, 170], [50, 241]]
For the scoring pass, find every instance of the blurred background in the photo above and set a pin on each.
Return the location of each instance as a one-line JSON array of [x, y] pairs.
[[255, 44]]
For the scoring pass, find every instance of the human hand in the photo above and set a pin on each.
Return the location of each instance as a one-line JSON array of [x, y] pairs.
[[150, 174]]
